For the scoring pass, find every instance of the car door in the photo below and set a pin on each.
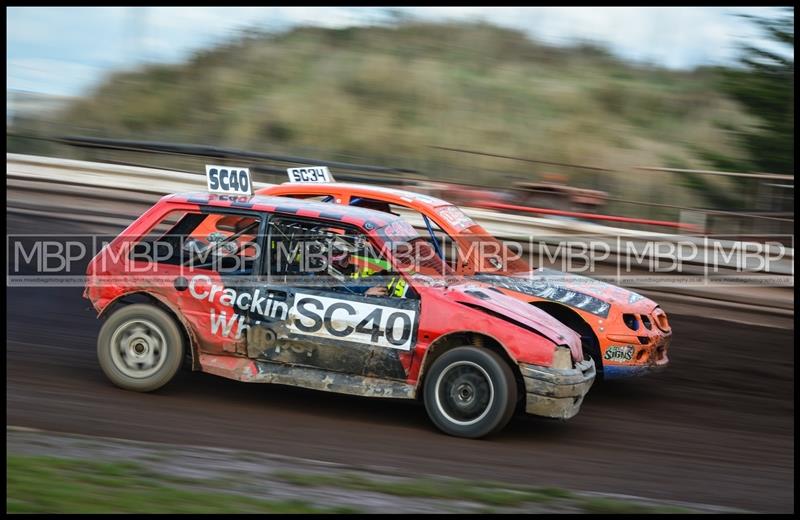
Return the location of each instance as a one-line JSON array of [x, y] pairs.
[[202, 265], [318, 310]]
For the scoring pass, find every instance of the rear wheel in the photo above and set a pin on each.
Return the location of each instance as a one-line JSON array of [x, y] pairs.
[[470, 392], [140, 347]]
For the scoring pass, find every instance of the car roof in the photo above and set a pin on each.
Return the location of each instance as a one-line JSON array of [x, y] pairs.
[[362, 217], [377, 191]]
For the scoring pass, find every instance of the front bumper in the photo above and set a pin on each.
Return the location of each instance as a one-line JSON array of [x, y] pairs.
[[558, 393], [646, 358], [627, 371]]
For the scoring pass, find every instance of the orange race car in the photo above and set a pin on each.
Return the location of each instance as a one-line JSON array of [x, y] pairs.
[[625, 333]]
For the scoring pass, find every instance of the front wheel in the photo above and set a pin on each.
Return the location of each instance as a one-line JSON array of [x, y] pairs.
[[140, 348], [470, 392]]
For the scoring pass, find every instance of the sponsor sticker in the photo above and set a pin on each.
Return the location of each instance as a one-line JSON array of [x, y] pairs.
[[310, 174], [307, 315], [228, 180], [618, 353], [455, 217]]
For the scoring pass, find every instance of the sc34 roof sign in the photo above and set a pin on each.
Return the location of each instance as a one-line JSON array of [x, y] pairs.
[[310, 174], [228, 179]]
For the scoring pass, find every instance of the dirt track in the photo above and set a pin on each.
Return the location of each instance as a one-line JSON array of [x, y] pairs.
[[717, 427]]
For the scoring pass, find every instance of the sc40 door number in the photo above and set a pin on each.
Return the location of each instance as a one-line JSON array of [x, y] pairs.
[[345, 320]]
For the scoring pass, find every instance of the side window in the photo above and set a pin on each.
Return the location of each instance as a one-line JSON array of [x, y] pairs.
[[377, 205], [329, 256], [223, 242], [165, 224]]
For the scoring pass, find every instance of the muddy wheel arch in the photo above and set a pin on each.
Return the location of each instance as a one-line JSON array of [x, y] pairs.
[[589, 340], [457, 339]]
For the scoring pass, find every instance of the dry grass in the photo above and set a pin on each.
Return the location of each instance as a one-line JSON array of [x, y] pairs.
[[383, 94]]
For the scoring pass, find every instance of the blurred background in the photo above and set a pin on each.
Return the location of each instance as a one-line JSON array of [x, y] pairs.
[[664, 119]]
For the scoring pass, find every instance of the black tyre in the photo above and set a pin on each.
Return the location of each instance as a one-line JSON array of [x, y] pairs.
[[140, 347], [470, 392], [591, 350]]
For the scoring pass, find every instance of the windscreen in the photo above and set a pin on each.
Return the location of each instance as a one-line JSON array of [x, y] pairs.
[[476, 247], [412, 253]]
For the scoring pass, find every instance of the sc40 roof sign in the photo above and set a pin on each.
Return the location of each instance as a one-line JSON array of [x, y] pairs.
[[228, 179], [310, 174]]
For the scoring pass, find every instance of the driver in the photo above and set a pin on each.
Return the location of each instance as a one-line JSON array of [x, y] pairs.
[[368, 266], [356, 269]]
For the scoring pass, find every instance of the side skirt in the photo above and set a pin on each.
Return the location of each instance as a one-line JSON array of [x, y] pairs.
[[251, 371]]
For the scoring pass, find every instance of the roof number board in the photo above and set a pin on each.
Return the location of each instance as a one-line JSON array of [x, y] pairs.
[[230, 180], [310, 174]]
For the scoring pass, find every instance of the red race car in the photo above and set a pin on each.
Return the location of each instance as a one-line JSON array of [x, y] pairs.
[[327, 297], [624, 332]]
